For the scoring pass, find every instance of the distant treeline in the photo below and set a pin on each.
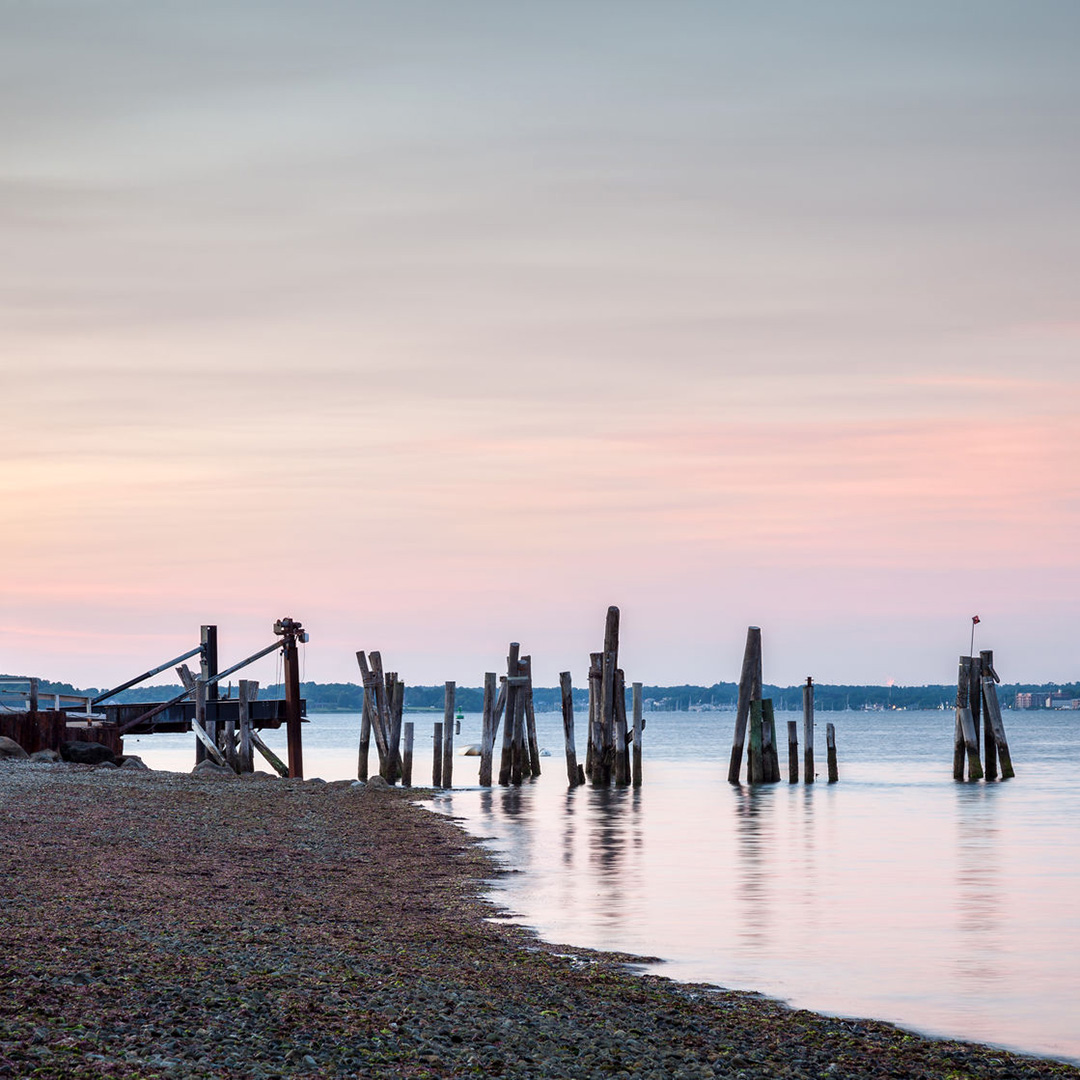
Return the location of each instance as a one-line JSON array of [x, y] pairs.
[[349, 697]]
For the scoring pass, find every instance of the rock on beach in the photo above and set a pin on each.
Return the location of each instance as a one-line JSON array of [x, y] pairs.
[[165, 925]]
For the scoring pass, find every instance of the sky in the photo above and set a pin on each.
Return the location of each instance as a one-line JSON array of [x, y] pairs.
[[437, 326]]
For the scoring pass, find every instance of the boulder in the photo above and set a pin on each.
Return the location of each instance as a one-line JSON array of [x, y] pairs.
[[376, 783], [86, 753], [45, 755], [9, 748], [206, 767], [133, 761]]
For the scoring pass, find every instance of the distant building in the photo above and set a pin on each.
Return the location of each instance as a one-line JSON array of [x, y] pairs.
[[1026, 701]]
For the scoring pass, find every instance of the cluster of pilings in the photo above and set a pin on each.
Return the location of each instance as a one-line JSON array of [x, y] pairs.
[[976, 692], [384, 702], [763, 754]]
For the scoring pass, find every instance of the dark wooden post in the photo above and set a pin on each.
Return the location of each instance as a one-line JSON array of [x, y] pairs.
[[518, 749], [395, 696], [966, 724], [639, 724], [793, 751], [622, 756], [406, 757], [530, 718], [449, 693], [247, 692], [208, 667], [592, 752], [975, 699], [607, 694], [770, 743], [436, 755], [506, 761], [755, 772], [808, 730], [993, 710], [567, 689], [986, 667], [290, 630], [749, 689], [487, 730], [365, 738], [830, 748]]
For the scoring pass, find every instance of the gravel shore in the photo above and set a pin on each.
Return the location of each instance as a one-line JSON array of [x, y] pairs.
[[164, 925]]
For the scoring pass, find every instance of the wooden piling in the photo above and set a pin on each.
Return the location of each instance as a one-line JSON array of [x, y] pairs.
[[609, 668], [755, 770], [448, 735], [993, 710], [592, 754], [567, 689], [966, 723], [372, 680], [622, 757], [749, 682], [199, 724], [830, 749], [808, 730], [518, 747], [294, 733], [436, 755], [793, 751], [274, 761], [770, 747], [487, 729], [395, 696], [990, 755], [365, 738], [530, 718], [247, 691], [506, 761], [639, 724], [407, 755]]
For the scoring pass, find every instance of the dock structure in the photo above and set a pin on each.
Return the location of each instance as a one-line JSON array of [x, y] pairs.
[[226, 729], [983, 748]]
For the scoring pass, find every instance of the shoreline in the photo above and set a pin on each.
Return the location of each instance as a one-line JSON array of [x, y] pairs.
[[166, 925]]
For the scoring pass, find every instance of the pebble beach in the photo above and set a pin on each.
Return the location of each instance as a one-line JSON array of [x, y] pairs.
[[167, 925]]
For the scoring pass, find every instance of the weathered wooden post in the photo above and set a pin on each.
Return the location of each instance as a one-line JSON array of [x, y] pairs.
[[530, 718], [830, 748], [622, 757], [755, 770], [365, 738], [372, 678], [567, 689], [448, 735], [487, 730], [407, 756], [639, 724], [808, 729], [607, 695], [395, 696], [247, 691], [966, 724], [749, 689], [518, 749], [771, 765], [290, 631], [208, 668], [793, 751], [512, 664], [986, 667], [436, 755], [592, 753], [993, 711]]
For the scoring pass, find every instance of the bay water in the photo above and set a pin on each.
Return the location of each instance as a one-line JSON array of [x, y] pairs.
[[950, 908]]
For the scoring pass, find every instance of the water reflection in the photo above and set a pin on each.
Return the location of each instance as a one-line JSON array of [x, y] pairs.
[[978, 887], [752, 805]]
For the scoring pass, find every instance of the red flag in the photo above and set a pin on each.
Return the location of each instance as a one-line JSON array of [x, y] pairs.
[[974, 619]]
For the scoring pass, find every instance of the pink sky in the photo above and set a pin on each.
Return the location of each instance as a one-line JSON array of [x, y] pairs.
[[436, 332]]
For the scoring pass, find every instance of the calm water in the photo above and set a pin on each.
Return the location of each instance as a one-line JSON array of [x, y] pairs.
[[898, 894]]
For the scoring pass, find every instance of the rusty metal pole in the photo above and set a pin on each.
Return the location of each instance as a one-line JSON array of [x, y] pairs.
[[289, 631]]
